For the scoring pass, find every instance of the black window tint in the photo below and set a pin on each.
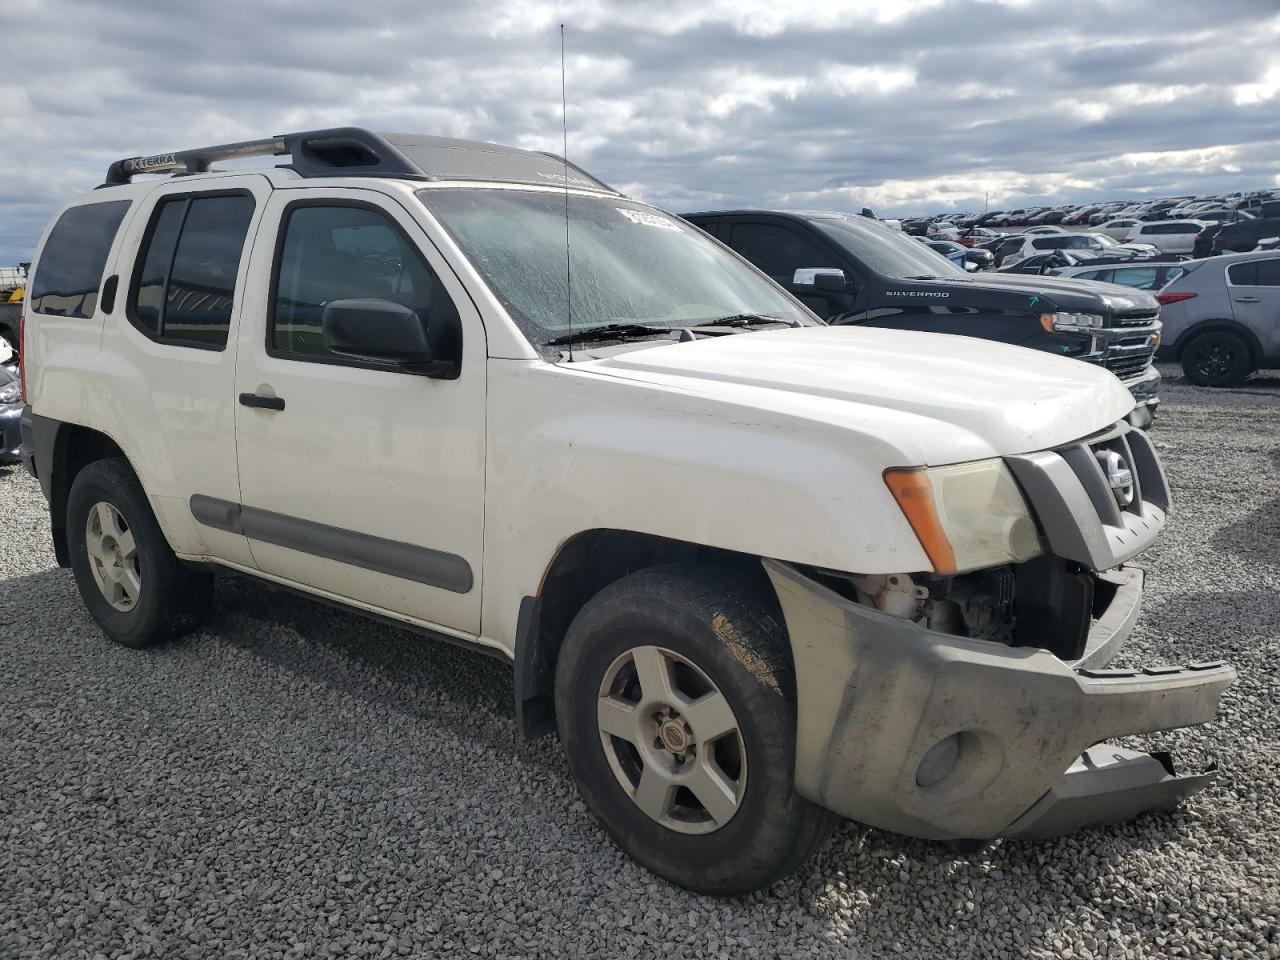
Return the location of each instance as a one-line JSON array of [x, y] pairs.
[[184, 287], [70, 271], [1268, 273], [1244, 274], [777, 251], [155, 264], [202, 284], [343, 253]]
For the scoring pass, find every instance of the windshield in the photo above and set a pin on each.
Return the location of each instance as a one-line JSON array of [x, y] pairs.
[[629, 264], [887, 251]]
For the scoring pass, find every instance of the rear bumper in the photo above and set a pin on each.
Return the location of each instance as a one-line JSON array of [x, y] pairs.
[[1011, 733]]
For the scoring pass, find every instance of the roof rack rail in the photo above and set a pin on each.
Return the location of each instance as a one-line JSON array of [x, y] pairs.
[[355, 152], [314, 153]]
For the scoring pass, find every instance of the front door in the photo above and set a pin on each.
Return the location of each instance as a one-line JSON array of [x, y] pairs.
[[359, 479]]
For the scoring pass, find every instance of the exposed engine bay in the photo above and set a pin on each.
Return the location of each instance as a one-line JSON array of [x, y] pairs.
[[1047, 602]]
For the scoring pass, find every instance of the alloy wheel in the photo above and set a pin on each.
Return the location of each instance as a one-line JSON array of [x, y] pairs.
[[672, 740], [113, 556]]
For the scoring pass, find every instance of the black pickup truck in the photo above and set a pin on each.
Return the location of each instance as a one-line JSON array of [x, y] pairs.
[[853, 269]]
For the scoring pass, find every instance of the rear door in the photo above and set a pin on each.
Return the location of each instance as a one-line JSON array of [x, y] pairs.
[[358, 479], [1254, 287], [168, 355]]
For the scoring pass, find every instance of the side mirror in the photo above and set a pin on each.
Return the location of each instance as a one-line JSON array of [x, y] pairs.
[[970, 266], [380, 330], [827, 279]]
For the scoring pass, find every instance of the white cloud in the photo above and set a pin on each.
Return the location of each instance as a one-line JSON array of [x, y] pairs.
[[903, 105]]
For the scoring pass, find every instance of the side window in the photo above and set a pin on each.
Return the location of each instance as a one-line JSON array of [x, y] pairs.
[[1144, 278], [1268, 273], [777, 251], [343, 252], [1102, 275], [70, 270], [184, 284], [1243, 274]]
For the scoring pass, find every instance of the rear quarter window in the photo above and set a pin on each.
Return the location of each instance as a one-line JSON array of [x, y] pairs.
[[69, 273]]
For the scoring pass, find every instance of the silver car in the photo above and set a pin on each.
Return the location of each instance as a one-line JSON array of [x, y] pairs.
[[1222, 317]]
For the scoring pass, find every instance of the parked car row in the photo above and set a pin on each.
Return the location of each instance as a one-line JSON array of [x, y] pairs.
[[1216, 208]]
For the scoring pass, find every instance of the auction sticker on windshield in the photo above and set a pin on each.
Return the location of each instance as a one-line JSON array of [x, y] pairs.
[[648, 219]]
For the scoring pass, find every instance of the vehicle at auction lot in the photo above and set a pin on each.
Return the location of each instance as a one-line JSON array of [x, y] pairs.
[[1242, 237], [1223, 317], [1145, 275], [753, 568], [851, 271], [1169, 236]]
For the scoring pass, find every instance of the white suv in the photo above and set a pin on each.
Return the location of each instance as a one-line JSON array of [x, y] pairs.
[[752, 568], [1168, 236]]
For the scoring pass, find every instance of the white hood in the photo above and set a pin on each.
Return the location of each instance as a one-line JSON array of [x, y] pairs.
[[983, 398]]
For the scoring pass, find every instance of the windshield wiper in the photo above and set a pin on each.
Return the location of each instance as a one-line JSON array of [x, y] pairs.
[[745, 320], [607, 331]]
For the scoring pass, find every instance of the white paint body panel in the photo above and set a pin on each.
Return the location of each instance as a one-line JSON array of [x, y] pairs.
[[771, 443], [386, 454]]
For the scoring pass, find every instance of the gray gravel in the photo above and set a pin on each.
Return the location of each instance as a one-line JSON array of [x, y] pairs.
[[294, 781]]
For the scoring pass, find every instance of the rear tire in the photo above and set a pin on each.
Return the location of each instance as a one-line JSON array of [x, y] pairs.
[[136, 589], [719, 642], [1218, 358]]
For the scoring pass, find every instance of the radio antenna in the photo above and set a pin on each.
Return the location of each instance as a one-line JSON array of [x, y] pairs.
[[568, 273]]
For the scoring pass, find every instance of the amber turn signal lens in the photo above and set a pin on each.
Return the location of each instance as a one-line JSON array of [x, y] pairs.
[[914, 493], [1046, 321]]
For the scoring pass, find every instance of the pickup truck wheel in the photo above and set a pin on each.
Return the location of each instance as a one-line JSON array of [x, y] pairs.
[[135, 588], [1218, 358], [675, 706]]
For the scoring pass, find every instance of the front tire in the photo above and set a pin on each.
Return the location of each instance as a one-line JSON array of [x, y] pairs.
[[136, 589], [675, 704], [1218, 358]]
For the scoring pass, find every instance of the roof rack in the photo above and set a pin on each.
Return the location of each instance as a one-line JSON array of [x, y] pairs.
[[355, 152]]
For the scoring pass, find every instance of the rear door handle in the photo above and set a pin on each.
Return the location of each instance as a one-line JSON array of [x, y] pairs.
[[1246, 299], [262, 402]]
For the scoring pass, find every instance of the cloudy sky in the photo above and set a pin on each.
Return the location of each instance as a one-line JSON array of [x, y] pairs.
[[902, 105]]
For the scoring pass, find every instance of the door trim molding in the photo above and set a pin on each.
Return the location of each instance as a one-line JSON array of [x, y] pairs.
[[435, 568]]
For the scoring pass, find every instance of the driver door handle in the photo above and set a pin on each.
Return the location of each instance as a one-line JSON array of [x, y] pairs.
[[1246, 299], [262, 402]]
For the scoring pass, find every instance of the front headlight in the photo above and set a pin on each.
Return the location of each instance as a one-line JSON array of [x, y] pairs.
[[11, 392], [1070, 321], [967, 516]]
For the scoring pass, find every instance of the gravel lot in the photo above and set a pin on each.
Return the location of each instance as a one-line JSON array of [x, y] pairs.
[[294, 781]]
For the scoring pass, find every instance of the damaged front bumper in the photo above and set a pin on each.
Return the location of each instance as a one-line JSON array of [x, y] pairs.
[[943, 737]]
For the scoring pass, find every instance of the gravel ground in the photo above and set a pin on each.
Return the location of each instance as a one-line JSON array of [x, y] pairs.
[[293, 781]]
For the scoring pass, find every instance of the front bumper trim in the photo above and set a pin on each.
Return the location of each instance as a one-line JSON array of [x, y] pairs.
[[877, 693]]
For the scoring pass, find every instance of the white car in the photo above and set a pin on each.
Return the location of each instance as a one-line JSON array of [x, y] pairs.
[[1168, 236], [1119, 228], [1041, 243], [751, 567], [1045, 228]]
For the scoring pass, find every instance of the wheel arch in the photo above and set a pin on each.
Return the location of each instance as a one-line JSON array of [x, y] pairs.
[[71, 447], [584, 565], [1228, 326]]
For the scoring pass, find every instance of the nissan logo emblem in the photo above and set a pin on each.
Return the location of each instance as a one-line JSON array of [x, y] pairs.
[[1119, 476]]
